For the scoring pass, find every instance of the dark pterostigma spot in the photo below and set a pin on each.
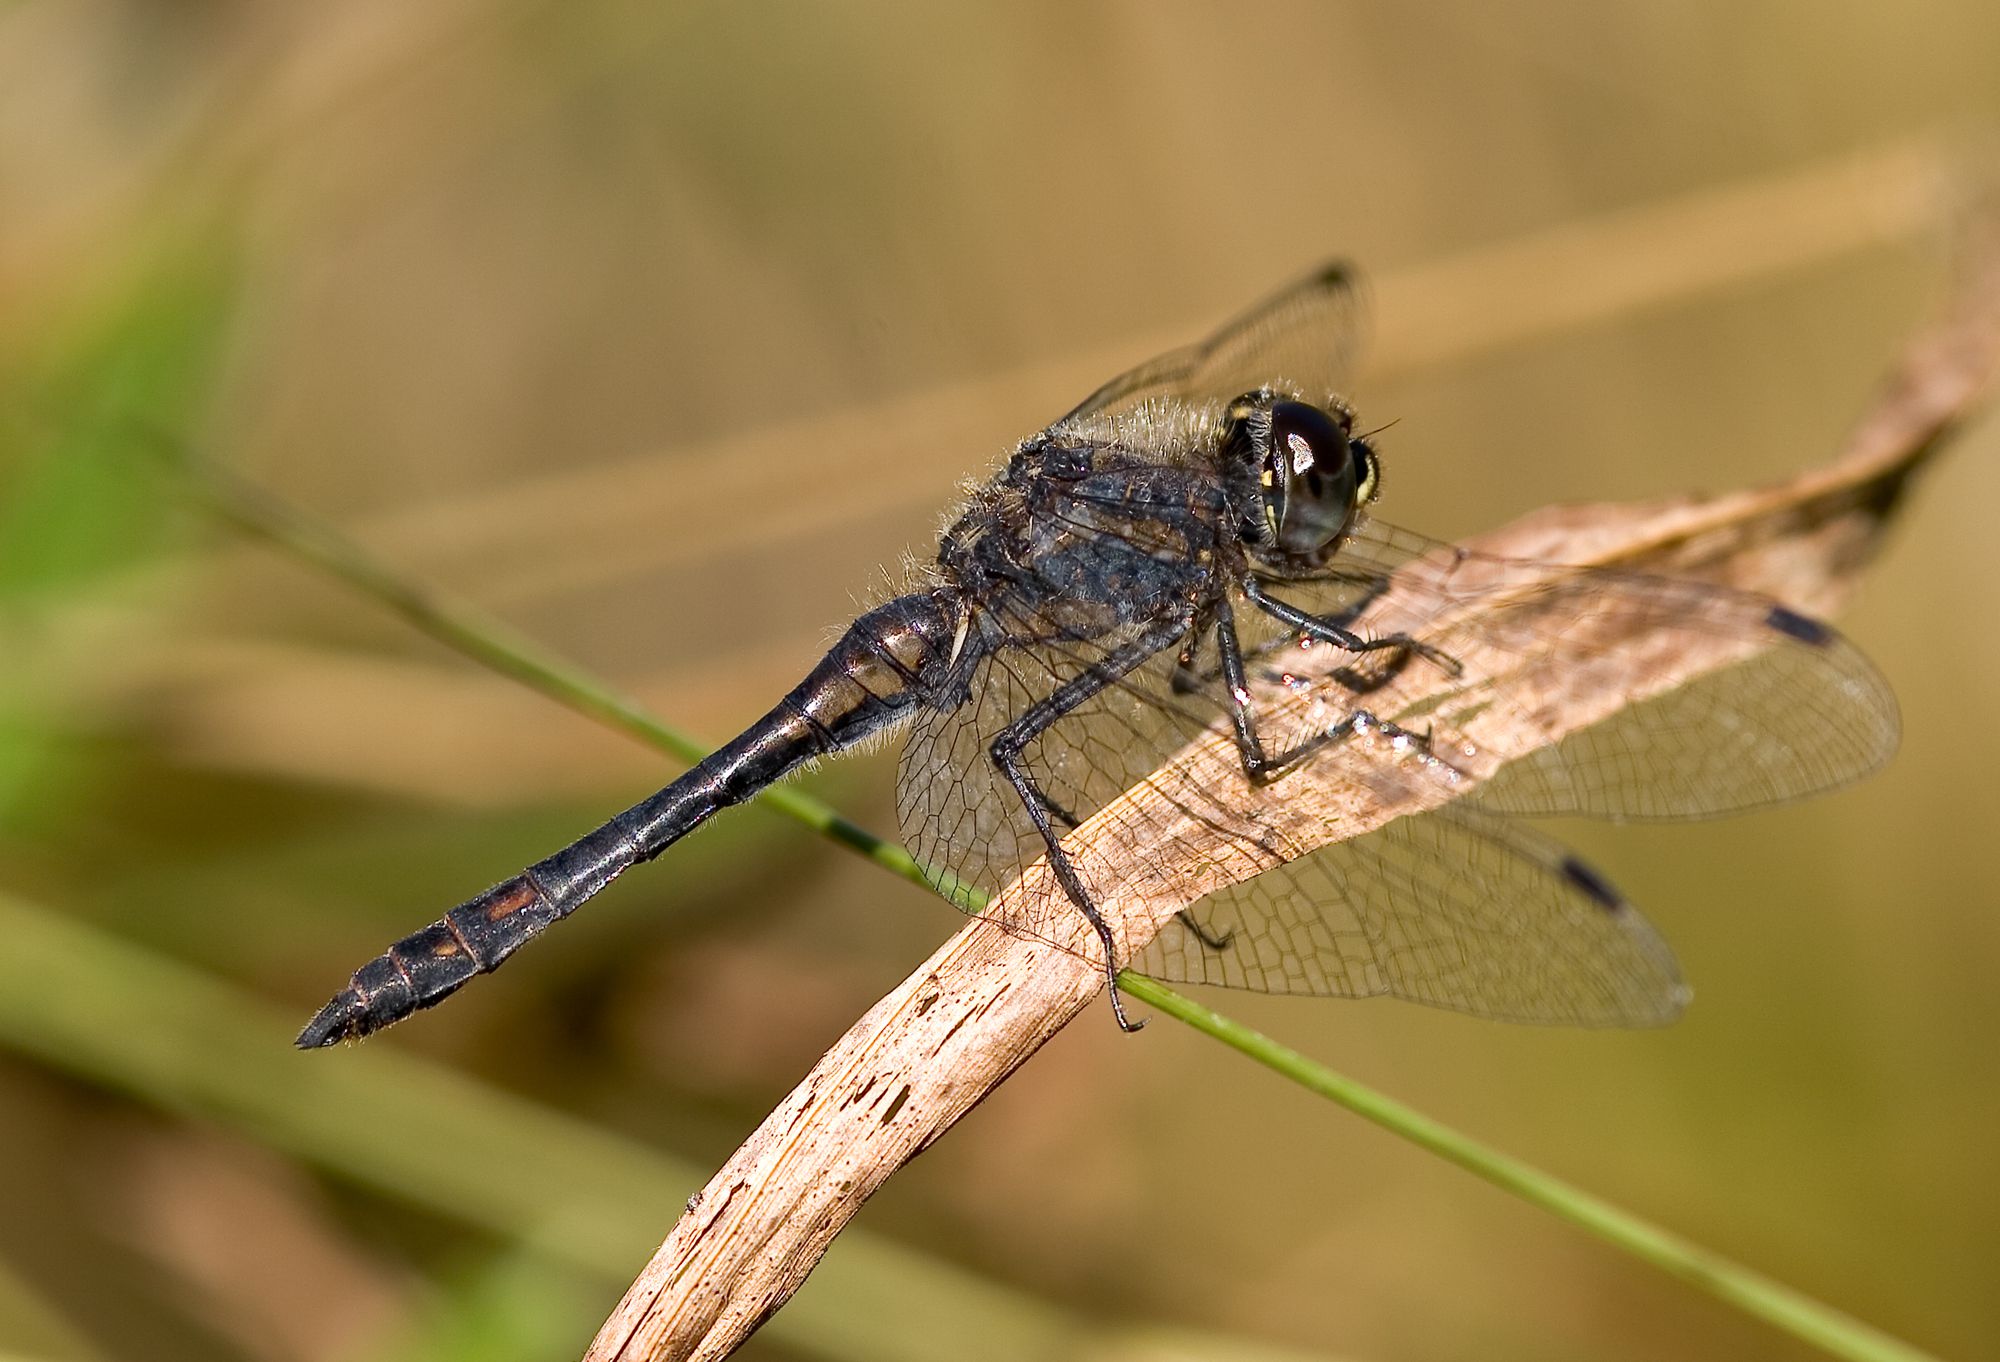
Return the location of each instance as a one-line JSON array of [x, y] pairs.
[[1332, 273], [1593, 884], [1804, 628]]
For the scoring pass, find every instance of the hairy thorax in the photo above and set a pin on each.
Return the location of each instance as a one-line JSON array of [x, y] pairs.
[[1076, 539]]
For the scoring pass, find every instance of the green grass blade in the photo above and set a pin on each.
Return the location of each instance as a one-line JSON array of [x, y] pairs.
[[493, 645], [33, 1324], [1797, 1314]]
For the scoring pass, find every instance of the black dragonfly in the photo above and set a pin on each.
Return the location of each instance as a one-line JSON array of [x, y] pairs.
[[1160, 562]]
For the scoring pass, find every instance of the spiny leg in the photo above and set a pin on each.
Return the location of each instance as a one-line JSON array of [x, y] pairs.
[[1188, 677], [1030, 724], [1057, 813], [1327, 631], [1260, 767]]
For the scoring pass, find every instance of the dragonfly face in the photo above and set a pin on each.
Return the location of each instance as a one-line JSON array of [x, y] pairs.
[[1312, 474]]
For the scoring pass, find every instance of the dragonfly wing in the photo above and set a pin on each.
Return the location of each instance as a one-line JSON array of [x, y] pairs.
[[1304, 338], [1735, 701], [1797, 718], [1456, 909], [959, 814]]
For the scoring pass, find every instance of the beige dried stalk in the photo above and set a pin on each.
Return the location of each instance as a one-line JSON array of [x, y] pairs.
[[930, 1050]]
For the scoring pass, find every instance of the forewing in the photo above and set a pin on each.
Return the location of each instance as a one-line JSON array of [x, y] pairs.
[[1304, 338], [1782, 706], [1457, 909]]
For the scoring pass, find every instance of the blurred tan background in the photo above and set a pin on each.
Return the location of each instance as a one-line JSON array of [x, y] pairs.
[[663, 331]]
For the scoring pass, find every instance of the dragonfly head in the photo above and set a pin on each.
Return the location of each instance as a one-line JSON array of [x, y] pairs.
[[1311, 474]]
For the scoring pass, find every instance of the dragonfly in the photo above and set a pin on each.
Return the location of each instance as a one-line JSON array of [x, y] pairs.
[[1191, 550]]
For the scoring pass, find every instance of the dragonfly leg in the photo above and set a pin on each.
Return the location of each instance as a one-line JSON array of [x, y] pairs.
[[1214, 941], [1031, 723], [1329, 631], [1188, 676], [1260, 766]]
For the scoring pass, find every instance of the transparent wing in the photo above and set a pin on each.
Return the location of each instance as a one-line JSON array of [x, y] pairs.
[[961, 817], [1305, 338], [1456, 909], [1789, 709], [1460, 908]]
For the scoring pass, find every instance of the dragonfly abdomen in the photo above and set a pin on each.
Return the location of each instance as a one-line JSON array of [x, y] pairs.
[[892, 659], [896, 658], [431, 963]]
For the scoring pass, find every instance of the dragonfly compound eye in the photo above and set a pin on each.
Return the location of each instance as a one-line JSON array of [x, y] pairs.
[[1317, 477]]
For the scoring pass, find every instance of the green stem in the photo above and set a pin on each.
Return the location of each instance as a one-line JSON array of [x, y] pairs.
[[1824, 1327], [491, 644]]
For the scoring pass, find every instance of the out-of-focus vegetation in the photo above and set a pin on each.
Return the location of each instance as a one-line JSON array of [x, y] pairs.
[[662, 332]]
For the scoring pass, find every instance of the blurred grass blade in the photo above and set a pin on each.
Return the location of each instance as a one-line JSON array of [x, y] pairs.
[[88, 1004], [150, 355], [33, 1323], [513, 1306], [1830, 1330], [72, 516]]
